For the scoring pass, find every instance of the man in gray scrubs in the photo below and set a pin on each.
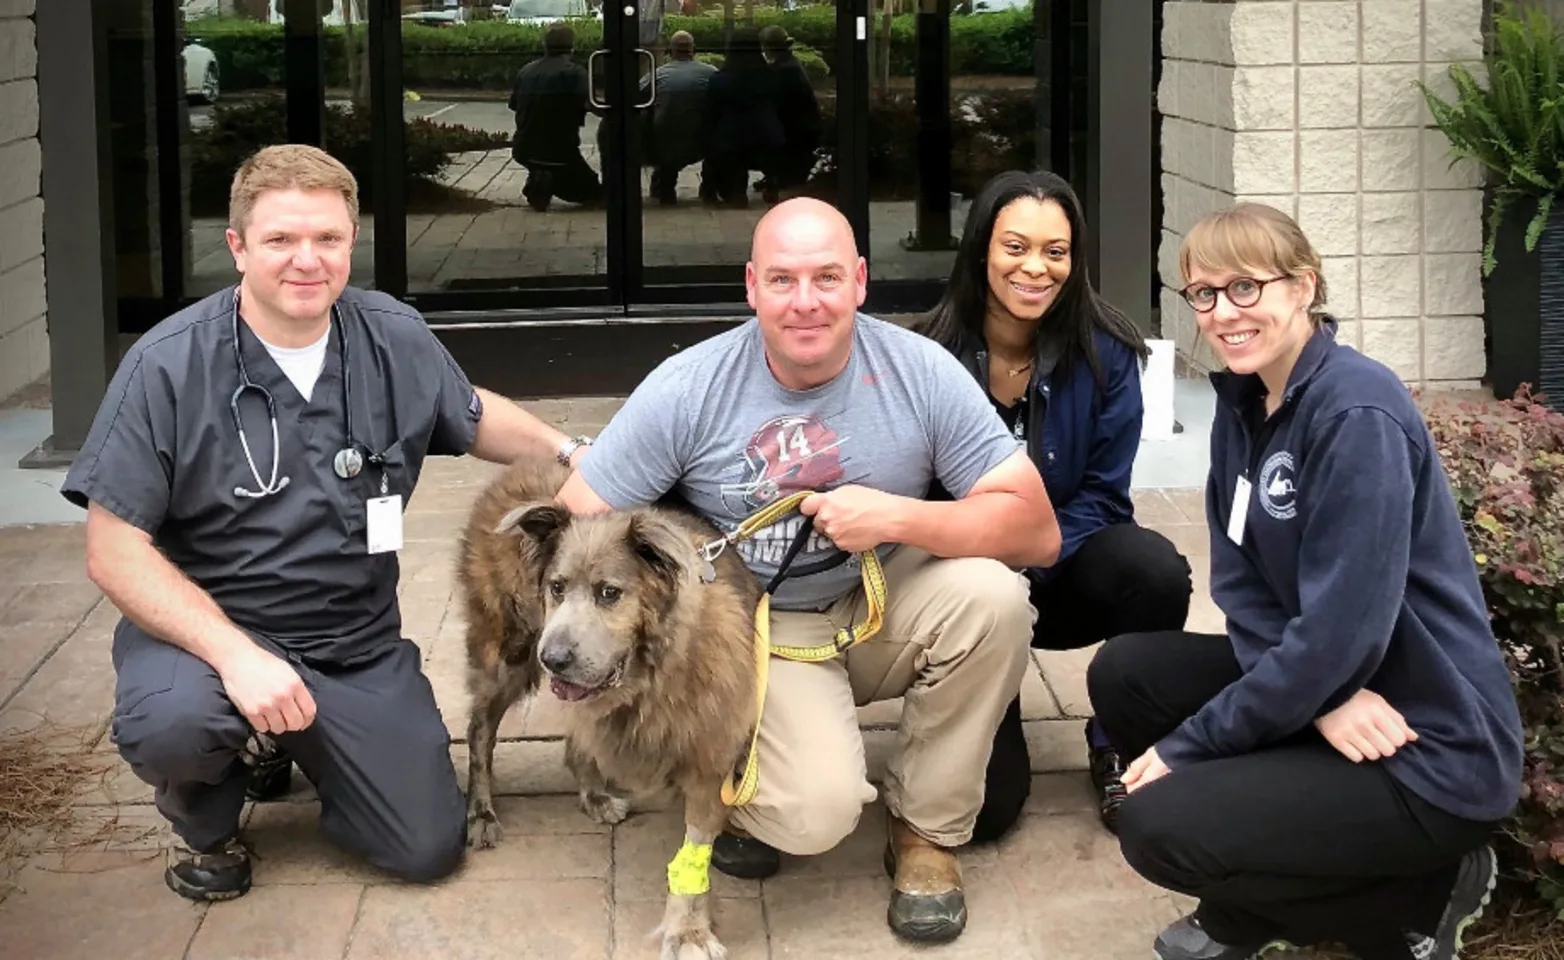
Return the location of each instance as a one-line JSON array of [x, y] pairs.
[[250, 538]]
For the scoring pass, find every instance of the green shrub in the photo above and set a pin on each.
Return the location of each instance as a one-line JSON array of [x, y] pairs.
[[486, 54], [990, 133], [1506, 465], [815, 67], [1514, 128], [239, 129]]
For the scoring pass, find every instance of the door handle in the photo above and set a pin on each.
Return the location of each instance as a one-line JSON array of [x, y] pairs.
[[590, 88], [651, 61]]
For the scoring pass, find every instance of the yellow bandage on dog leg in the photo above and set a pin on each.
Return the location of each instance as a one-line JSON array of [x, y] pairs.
[[689, 873]]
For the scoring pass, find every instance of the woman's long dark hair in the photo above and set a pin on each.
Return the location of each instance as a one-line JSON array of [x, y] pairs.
[[957, 319]]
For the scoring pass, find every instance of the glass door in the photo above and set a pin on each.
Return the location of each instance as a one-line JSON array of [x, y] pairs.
[[508, 160], [736, 110], [558, 154]]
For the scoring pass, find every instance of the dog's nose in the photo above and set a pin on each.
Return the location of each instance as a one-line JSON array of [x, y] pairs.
[[557, 658]]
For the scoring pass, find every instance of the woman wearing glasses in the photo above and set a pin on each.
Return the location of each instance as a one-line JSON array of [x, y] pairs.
[[1062, 369], [1331, 768]]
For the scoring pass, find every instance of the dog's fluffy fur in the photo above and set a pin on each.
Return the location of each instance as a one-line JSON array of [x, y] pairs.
[[656, 666]]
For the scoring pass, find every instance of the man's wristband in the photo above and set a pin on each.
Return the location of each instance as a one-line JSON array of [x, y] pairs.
[[569, 447]]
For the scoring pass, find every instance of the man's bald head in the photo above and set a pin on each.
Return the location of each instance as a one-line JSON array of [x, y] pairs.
[[801, 221], [681, 45]]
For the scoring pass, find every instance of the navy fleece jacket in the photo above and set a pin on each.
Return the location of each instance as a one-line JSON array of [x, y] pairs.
[[1082, 437], [1352, 571]]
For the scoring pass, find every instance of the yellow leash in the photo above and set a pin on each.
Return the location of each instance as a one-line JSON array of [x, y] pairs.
[[737, 795]]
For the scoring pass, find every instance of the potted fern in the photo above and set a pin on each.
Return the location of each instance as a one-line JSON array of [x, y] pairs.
[[1513, 128]]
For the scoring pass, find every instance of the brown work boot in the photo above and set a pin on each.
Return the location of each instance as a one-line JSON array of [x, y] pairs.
[[927, 904]]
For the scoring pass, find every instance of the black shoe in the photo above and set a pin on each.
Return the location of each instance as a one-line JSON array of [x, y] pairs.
[[221, 873], [1185, 939], [271, 769], [744, 857], [1474, 884], [1107, 772]]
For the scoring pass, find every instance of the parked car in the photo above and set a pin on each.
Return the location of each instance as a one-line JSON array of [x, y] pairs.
[[337, 15], [544, 12], [453, 17], [989, 6], [202, 80]]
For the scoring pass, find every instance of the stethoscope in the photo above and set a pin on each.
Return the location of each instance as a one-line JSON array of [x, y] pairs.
[[348, 462]]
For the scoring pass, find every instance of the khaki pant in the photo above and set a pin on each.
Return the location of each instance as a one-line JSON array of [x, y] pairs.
[[955, 643]]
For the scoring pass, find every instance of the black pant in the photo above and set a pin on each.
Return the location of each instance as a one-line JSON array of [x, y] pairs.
[[1293, 841], [1123, 579], [378, 752], [572, 180]]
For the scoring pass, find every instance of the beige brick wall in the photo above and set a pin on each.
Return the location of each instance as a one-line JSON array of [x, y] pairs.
[[24, 336], [1309, 105]]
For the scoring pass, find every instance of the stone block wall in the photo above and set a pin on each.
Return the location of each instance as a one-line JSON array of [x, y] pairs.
[[24, 332], [1310, 106]]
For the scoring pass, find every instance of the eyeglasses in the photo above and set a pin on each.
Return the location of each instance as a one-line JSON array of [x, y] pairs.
[[1241, 292]]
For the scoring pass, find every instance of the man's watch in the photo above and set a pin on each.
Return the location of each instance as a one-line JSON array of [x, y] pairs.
[[569, 447]]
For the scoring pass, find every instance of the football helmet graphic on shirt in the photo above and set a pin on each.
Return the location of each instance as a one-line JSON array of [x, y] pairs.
[[785, 454]]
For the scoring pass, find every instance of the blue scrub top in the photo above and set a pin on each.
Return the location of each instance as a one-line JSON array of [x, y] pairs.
[[164, 455]]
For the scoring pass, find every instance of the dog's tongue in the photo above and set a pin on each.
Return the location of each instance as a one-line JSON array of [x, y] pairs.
[[565, 690]]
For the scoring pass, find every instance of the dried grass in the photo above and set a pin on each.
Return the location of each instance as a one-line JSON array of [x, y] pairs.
[[1515, 926], [1518, 926], [43, 776]]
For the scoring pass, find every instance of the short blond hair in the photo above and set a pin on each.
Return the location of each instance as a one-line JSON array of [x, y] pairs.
[[1252, 237], [288, 166]]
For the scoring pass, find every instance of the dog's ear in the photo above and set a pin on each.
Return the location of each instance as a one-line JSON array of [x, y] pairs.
[[543, 522], [659, 545]]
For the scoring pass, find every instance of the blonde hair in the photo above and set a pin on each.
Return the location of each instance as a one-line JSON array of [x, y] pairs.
[[288, 166], [1252, 237]]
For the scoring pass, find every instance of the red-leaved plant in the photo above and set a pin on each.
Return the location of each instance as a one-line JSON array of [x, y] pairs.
[[1505, 459]]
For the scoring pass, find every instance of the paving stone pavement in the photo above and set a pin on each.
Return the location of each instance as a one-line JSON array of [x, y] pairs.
[[559, 887]]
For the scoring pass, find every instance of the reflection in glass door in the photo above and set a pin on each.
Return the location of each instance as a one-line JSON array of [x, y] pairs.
[[743, 106], [952, 102], [506, 151]]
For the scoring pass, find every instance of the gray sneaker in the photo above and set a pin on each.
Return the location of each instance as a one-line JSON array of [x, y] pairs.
[[219, 873], [1474, 883], [1185, 939]]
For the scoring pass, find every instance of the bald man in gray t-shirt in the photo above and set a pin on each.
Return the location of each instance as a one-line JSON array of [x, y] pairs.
[[811, 395]]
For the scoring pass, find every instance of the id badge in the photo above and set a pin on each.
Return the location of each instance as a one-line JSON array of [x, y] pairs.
[[1235, 520], [385, 523]]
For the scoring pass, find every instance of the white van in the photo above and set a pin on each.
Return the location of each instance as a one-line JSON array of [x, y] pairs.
[[342, 11], [544, 12]]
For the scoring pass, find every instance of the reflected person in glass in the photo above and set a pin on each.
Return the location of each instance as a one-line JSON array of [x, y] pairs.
[[549, 99]]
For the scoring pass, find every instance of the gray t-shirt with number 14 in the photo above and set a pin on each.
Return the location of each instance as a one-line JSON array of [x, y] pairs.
[[712, 424]]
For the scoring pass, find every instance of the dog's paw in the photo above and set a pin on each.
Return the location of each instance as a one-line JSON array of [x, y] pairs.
[[693, 945], [483, 827], [604, 808], [686, 930]]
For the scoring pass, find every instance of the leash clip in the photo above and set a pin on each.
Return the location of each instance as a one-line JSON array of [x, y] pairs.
[[708, 553], [712, 549]]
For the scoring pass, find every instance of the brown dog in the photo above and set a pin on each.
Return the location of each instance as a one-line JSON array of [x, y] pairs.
[[656, 663]]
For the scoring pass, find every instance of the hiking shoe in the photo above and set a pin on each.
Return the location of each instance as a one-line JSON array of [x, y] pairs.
[[271, 769], [221, 873], [927, 903], [740, 855], [1107, 773], [1185, 939], [1474, 883]]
